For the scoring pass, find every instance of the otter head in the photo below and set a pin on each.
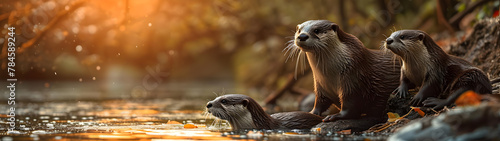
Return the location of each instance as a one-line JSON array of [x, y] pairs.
[[228, 106], [407, 43], [235, 108], [316, 35]]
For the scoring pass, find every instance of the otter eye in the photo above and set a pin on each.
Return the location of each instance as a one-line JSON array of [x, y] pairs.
[[316, 31], [402, 37], [224, 101]]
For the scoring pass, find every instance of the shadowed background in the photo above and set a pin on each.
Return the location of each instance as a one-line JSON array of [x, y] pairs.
[[71, 50]]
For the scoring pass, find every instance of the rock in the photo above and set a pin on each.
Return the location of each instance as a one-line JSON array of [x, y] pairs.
[[482, 47], [355, 125], [462, 123]]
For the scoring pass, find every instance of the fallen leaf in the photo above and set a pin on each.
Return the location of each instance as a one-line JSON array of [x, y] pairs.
[[173, 122], [190, 125], [468, 98], [393, 116], [419, 111]]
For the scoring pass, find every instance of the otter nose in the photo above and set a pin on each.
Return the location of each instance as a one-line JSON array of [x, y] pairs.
[[303, 37], [209, 105], [389, 41]]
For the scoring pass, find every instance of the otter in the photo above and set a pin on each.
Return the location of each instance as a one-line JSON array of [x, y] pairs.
[[439, 75], [243, 112], [357, 80]]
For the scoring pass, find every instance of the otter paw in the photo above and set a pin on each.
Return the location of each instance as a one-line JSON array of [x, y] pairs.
[[436, 102], [401, 92], [316, 112], [331, 117], [417, 101], [432, 101], [439, 107]]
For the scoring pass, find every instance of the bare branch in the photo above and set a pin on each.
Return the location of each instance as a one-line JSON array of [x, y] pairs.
[[61, 15]]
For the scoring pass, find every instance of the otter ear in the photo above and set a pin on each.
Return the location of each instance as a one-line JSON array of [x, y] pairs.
[[245, 102], [421, 36], [335, 27]]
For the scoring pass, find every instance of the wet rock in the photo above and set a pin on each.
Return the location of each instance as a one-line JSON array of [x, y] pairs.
[[355, 125], [463, 123]]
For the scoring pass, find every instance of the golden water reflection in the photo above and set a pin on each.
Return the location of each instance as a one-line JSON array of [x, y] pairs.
[[154, 119]]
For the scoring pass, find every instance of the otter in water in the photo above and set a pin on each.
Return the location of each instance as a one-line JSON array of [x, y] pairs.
[[243, 112], [438, 74], [356, 79]]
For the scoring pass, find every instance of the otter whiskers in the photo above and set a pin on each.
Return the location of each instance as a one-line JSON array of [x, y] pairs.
[[291, 49]]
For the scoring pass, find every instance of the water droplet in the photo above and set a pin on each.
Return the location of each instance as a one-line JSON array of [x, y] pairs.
[[79, 48], [80, 79], [98, 68], [119, 54], [55, 73], [93, 78], [149, 24]]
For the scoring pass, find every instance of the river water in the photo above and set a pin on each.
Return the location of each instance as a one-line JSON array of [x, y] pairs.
[[134, 120], [59, 113]]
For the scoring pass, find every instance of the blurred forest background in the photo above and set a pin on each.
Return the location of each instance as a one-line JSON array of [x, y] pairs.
[[136, 49]]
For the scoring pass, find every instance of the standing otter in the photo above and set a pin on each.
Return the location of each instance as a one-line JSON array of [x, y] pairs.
[[354, 78], [243, 112], [437, 74]]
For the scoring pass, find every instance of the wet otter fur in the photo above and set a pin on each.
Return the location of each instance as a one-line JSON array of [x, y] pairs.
[[356, 79], [438, 74], [243, 112]]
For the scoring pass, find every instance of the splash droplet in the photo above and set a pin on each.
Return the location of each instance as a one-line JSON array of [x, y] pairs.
[[149, 24], [98, 68], [93, 78]]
